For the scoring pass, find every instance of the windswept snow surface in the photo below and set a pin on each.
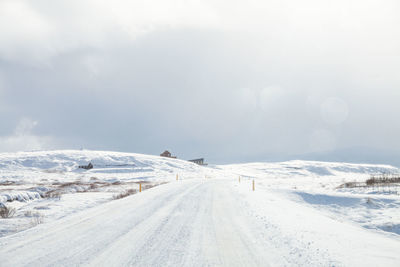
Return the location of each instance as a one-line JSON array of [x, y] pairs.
[[297, 215], [316, 184]]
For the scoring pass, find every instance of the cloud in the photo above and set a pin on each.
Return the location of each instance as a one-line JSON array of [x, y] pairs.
[[334, 110], [228, 80], [23, 32], [33, 33], [322, 140], [24, 140]]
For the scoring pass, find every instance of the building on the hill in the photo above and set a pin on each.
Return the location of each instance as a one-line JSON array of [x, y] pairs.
[[167, 154], [198, 161], [87, 167]]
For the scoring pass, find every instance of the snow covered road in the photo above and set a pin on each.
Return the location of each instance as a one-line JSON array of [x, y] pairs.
[[199, 222], [187, 223]]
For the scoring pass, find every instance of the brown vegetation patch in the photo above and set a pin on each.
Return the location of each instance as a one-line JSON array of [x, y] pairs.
[[125, 194], [375, 180], [6, 212], [6, 183], [52, 194], [383, 179]]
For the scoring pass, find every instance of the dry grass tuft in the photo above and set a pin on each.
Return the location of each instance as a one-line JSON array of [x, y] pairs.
[[383, 179], [53, 194], [125, 194]]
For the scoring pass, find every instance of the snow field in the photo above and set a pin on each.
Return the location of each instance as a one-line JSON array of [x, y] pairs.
[[317, 184], [297, 215]]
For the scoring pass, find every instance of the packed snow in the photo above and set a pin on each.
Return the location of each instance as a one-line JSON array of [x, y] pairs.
[[299, 214]]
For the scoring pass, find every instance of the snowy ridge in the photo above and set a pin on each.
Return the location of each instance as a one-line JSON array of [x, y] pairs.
[[69, 160]]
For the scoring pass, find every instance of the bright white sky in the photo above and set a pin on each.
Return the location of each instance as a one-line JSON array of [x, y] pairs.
[[227, 80]]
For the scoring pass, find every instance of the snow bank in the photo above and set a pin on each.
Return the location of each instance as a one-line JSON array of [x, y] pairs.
[[20, 196]]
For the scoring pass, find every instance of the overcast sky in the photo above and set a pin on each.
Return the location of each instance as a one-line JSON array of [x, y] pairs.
[[231, 81]]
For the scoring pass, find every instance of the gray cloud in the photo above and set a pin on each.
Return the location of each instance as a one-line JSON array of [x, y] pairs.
[[264, 80]]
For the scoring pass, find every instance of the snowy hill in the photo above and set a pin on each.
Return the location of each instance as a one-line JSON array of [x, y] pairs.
[[104, 162], [52, 178]]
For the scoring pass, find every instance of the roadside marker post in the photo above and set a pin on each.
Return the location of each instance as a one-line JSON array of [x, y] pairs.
[[140, 187], [239, 178], [254, 187], [177, 177]]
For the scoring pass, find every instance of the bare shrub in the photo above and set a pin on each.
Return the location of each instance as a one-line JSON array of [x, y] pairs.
[[37, 218], [350, 184], [148, 186], [125, 194], [7, 183], [6, 212], [53, 194], [69, 184], [93, 186], [383, 179]]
